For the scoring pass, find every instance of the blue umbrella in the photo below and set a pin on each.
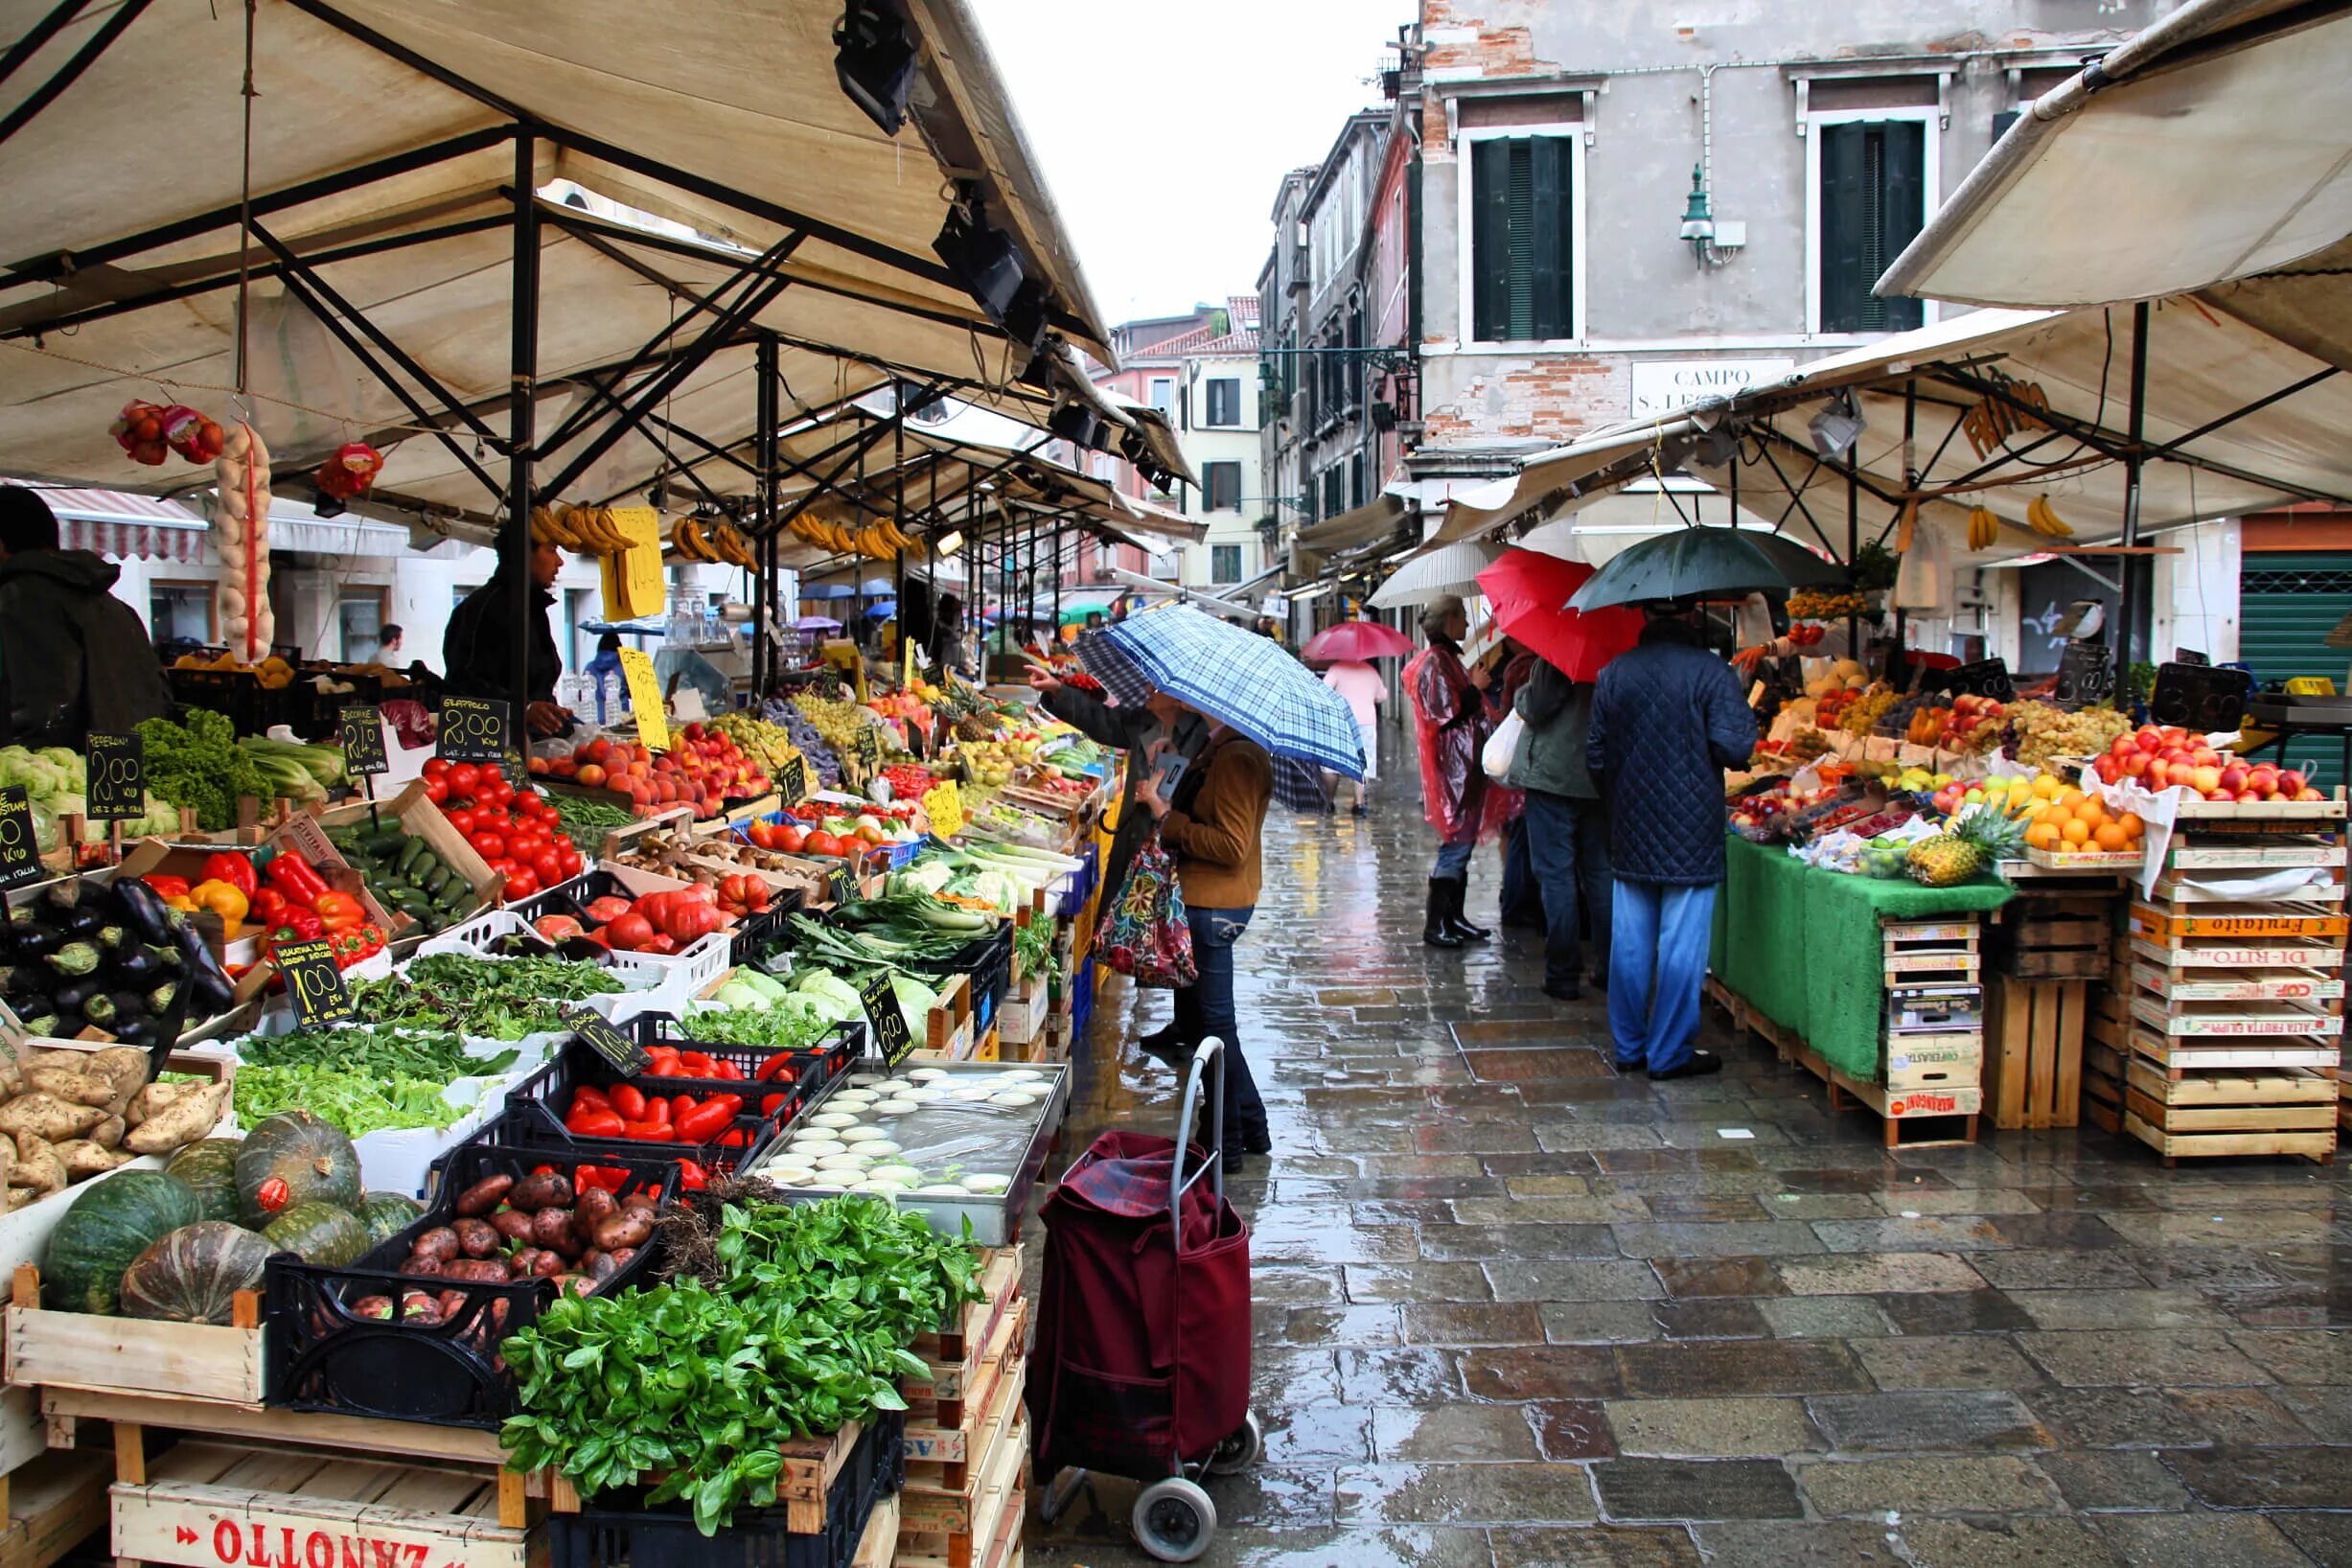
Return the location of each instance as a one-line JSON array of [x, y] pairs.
[[883, 611], [1246, 681], [828, 590]]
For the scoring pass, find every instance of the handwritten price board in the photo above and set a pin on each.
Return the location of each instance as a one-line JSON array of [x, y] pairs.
[[645, 699], [314, 982], [943, 804], [606, 1041], [2085, 675], [361, 730], [474, 728], [887, 1020], [20, 853], [841, 885], [870, 745], [792, 780], [118, 778], [1987, 678]]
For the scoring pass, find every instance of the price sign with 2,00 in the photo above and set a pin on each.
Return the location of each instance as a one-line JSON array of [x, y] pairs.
[[118, 778], [314, 982], [20, 852], [474, 728]]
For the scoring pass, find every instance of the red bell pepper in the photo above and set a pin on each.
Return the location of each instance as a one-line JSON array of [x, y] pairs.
[[269, 905], [291, 875], [234, 869], [692, 1177], [300, 925], [168, 887], [708, 1119]]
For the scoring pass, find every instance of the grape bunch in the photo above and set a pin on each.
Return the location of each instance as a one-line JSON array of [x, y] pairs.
[[2046, 733], [1810, 605]]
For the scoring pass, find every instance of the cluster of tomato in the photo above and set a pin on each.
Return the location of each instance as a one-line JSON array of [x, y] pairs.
[[639, 1112], [661, 923], [517, 831]]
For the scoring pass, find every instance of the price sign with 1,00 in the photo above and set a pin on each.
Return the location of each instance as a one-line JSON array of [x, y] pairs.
[[361, 730], [314, 982], [20, 852], [474, 728], [886, 1018], [117, 779]]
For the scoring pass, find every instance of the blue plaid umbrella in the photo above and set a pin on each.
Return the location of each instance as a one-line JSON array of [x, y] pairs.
[[1246, 681]]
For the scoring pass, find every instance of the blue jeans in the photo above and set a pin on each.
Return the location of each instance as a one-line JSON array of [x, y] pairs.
[[1568, 840], [1454, 855], [1655, 1017], [1205, 1011]]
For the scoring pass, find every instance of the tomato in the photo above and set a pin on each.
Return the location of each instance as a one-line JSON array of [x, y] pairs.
[[489, 845], [548, 867], [657, 1109], [436, 767], [792, 837], [573, 863], [825, 844], [521, 882], [463, 820], [606, 909], [563, 841], [631, 931], [629, 1101], [436, 790], [465, 779]]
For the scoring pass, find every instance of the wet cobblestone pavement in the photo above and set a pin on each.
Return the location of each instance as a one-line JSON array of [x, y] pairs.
[[1512, 1309]]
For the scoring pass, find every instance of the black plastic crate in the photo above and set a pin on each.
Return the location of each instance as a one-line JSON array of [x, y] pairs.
[[235, 694], [752, 934], [321, 1355], [576, 1065], [625, 1531], [813, 1066], [988, 960], [316, 714]]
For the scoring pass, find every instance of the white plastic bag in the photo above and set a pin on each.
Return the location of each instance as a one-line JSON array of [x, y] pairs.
[[1503, 746]]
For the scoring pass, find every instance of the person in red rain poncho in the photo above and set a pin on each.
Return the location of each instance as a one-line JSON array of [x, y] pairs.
[[1449, 717]]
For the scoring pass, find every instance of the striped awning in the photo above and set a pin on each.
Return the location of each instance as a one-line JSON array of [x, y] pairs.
[[121, 526]]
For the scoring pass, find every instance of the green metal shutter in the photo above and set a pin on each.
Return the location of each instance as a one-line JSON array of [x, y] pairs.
[[2288, 603], [1491, 240], [1549, 238], [1873, 204]]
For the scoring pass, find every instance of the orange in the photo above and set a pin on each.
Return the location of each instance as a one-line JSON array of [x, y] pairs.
[[2093, 812], [2041, 836], [2070, 798], [2108, 835], [2057, 817], [2076, 832], [2131, 826]]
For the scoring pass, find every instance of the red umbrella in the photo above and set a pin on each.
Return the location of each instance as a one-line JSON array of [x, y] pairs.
[[1527, 591], [1355, 640]]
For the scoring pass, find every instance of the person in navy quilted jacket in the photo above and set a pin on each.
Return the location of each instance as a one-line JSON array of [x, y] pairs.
[[1667, 718]]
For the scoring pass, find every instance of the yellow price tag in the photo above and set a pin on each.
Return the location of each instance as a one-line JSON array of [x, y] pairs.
[[645, 699], [2311, 685], [943, 804]]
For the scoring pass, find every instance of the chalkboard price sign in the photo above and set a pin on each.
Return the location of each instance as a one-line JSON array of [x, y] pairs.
[[883, 1016], [20, 853], [118, 778], [474, 730], [1987, 678], [841, 885], [2085, 673], [361, 728], [870, 745], [2199, 697], [606, 1041], [314, 982], [792, 780]]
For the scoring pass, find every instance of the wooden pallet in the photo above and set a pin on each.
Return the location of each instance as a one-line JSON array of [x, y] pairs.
[[2310, 816], [2061, 936], [1911, 1117], [1929, 952], [2034, 1056], [2172, 1146], [944, 1454], [2210, 1102], [878, 1547], [210, 1503]]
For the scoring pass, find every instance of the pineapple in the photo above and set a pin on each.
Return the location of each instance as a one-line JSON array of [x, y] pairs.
[[1975, 839]]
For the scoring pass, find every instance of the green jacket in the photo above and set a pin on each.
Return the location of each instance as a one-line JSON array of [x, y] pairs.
[[1551, 755]]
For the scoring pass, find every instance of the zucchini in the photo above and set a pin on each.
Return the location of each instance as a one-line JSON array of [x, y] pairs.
[[440, 880], [410, 851]]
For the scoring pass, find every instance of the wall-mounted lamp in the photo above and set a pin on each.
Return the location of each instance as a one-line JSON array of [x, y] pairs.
[[1698, 221]]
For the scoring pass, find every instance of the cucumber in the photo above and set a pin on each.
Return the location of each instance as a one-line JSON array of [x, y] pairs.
[[412, 851], [378, 843], [440, 882]]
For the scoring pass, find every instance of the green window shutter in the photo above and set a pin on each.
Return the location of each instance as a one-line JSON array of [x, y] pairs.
[[1873, 201], [1549, 239], [2288, 603], [1491, 240], [1902, 212], [1845, 225]]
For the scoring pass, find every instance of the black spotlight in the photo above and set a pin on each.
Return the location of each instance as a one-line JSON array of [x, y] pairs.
[[328, 506], [1026, 318], [875, 61], [982, 258], [1075, 423]]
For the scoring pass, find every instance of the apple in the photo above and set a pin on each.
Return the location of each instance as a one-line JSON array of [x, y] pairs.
[[2158, 773], [2124, 746], [2180, 756], [2205, 756], [2236, 777], [2243, 794], [2292, 783], [2264, 777], [2135, 766]]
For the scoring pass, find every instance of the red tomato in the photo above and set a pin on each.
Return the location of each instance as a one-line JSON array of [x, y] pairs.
[[436, 767], [563, 841], [572, 862], [548, 867], [822, 843], [489, 845], [465, 779], [520, 883], [630, 933], [463, 820], [792, 838], [436, 790]]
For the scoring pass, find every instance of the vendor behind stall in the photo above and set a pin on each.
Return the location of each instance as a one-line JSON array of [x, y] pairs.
[[73, 657], [478, 648]]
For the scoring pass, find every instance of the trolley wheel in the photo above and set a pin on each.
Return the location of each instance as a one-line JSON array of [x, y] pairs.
[[1240, 1448], [1174, 1519]]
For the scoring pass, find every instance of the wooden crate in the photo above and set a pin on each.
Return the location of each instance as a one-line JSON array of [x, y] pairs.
[[878, 1547], [954, 1374], [973, 1325], [2034, 1051], [212, 1504], [2169, 925], [1934, 1061], [1929, 952], [948, 1031], [2326, 957], [2308, 815], [2186, 985], [2203, 855], [53, 1504], [946, 1447], [990, 1509], [2222, 1101], [2235, 1020], [1020, 1018], [2311, 1146], [49, 1348], [2054, 935], [2179, 1054]]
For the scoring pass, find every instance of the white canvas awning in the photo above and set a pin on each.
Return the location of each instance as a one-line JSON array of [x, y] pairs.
[[2208, 148], [1438, 568]]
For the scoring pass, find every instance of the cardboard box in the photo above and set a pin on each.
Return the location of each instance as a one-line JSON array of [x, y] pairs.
[[419, 819]]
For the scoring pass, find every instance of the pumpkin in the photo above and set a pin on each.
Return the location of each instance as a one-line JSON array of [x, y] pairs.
[[319, 1232], [193, 1275], [210, 1168], [294, 1158], [111, 1222], [386, 1214]]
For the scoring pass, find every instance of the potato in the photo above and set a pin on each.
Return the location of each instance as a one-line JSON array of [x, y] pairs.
[[513, 1224], [594, 1208], [48, 1118], [441, 1244], [551, 1228], [85, 1157], [484, 1196], [20, 1196], [73, 1087], [628, 1229], [186, 1119], [545, 1190], [36, 1166], [108, 1134], [479, 1237], [423, 1267]]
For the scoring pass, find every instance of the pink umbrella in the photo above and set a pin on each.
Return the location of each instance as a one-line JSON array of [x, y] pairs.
[[1527, 591], [1364, 641]]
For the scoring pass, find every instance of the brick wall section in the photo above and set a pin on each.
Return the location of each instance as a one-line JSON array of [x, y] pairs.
[[1550, 399], [1497, 52]]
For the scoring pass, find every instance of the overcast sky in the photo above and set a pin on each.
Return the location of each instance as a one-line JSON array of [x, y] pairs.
[[1165, 126]]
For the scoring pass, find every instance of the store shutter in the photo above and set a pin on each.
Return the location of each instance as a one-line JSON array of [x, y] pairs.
[[2288, 603], [1491, 240], [1845, 223], [1550, 238]]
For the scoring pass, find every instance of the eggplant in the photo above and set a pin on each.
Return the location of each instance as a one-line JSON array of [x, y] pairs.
[[142, 909], [209, 991], [115, 939], [75, 959], [99, 1009], [46, 1025], [140, 966], [159, 999], [138, 1031], [34, 942], [25, 979], [69, 997], [78, 922], [64, 895]]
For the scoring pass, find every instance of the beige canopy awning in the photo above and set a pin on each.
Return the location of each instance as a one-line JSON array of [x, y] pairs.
[[2211, 147], [1351, 530]]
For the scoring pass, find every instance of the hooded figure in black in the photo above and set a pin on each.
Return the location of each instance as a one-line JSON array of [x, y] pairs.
[[73, 657], [478, 649]]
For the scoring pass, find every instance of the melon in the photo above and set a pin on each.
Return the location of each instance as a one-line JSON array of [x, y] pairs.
[[319, 1232], [193, 1275], [111, 1222], [295, 1158], [386, 1214], [210, 1170]]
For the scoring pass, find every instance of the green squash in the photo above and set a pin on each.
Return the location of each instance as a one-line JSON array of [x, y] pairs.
[[210, 1170], [319, 1232], [386, 1214], [111, 1222], [294, 1158], [193, 1274]]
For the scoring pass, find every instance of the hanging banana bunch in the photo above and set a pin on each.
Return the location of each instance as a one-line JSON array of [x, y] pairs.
[[1984, 528], [2045, 520], [587, 530]]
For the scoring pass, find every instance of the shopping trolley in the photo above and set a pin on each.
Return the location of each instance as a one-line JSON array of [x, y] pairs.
[[1142, 1364]]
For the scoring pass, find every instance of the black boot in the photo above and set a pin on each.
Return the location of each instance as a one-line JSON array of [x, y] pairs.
[[1455, 922], [1437, 928]]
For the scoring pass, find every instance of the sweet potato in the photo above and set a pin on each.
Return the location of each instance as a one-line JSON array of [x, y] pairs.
[[48, 1118], [85, 1157], [20, 1196], [73, 1087], [36, 1166], [108, 1134], [181, 1121]]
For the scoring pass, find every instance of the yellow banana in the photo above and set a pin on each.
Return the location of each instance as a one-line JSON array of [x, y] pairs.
[[697, 544], [897, 536], [548, 528], [592, 524], [1984, 528], [2052, 525], [730, 546]]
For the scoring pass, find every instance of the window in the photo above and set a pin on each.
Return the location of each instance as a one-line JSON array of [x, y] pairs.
[[1224, 401], [1334, 491], [1225, 563], [1164, 394], [181, 610], [1522, 231], [361, 619], [1871, 201], [1221, 487]]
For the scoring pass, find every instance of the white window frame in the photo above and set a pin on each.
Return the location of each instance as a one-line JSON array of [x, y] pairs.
[[1573, 133], [1153, 393], [1931, 196]]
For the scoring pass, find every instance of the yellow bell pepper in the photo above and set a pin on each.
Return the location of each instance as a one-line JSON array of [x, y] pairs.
[[226, 899]]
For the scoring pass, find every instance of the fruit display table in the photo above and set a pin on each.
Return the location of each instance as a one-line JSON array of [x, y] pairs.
[[1806, 949]]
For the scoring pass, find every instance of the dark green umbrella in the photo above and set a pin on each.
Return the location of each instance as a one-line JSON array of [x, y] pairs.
[[1803, 568], [1687, 563]]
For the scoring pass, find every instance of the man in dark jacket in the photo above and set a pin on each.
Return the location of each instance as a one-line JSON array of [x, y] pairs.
[[75, 657], [478, 648], [1567, 827], [1667, 718]]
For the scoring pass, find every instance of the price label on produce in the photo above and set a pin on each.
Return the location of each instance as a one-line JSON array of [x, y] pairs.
[[645, 699], [870, 745], [474, 729], [840, 886], [1987, 678], [118, 778], [20, 852], [361, 728], [943, 804], [2085, 675], [886, 1018], [792, 780], [314, 982], [606, 1041]]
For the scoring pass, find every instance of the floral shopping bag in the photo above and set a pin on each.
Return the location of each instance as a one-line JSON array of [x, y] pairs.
[[1144, 933]]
